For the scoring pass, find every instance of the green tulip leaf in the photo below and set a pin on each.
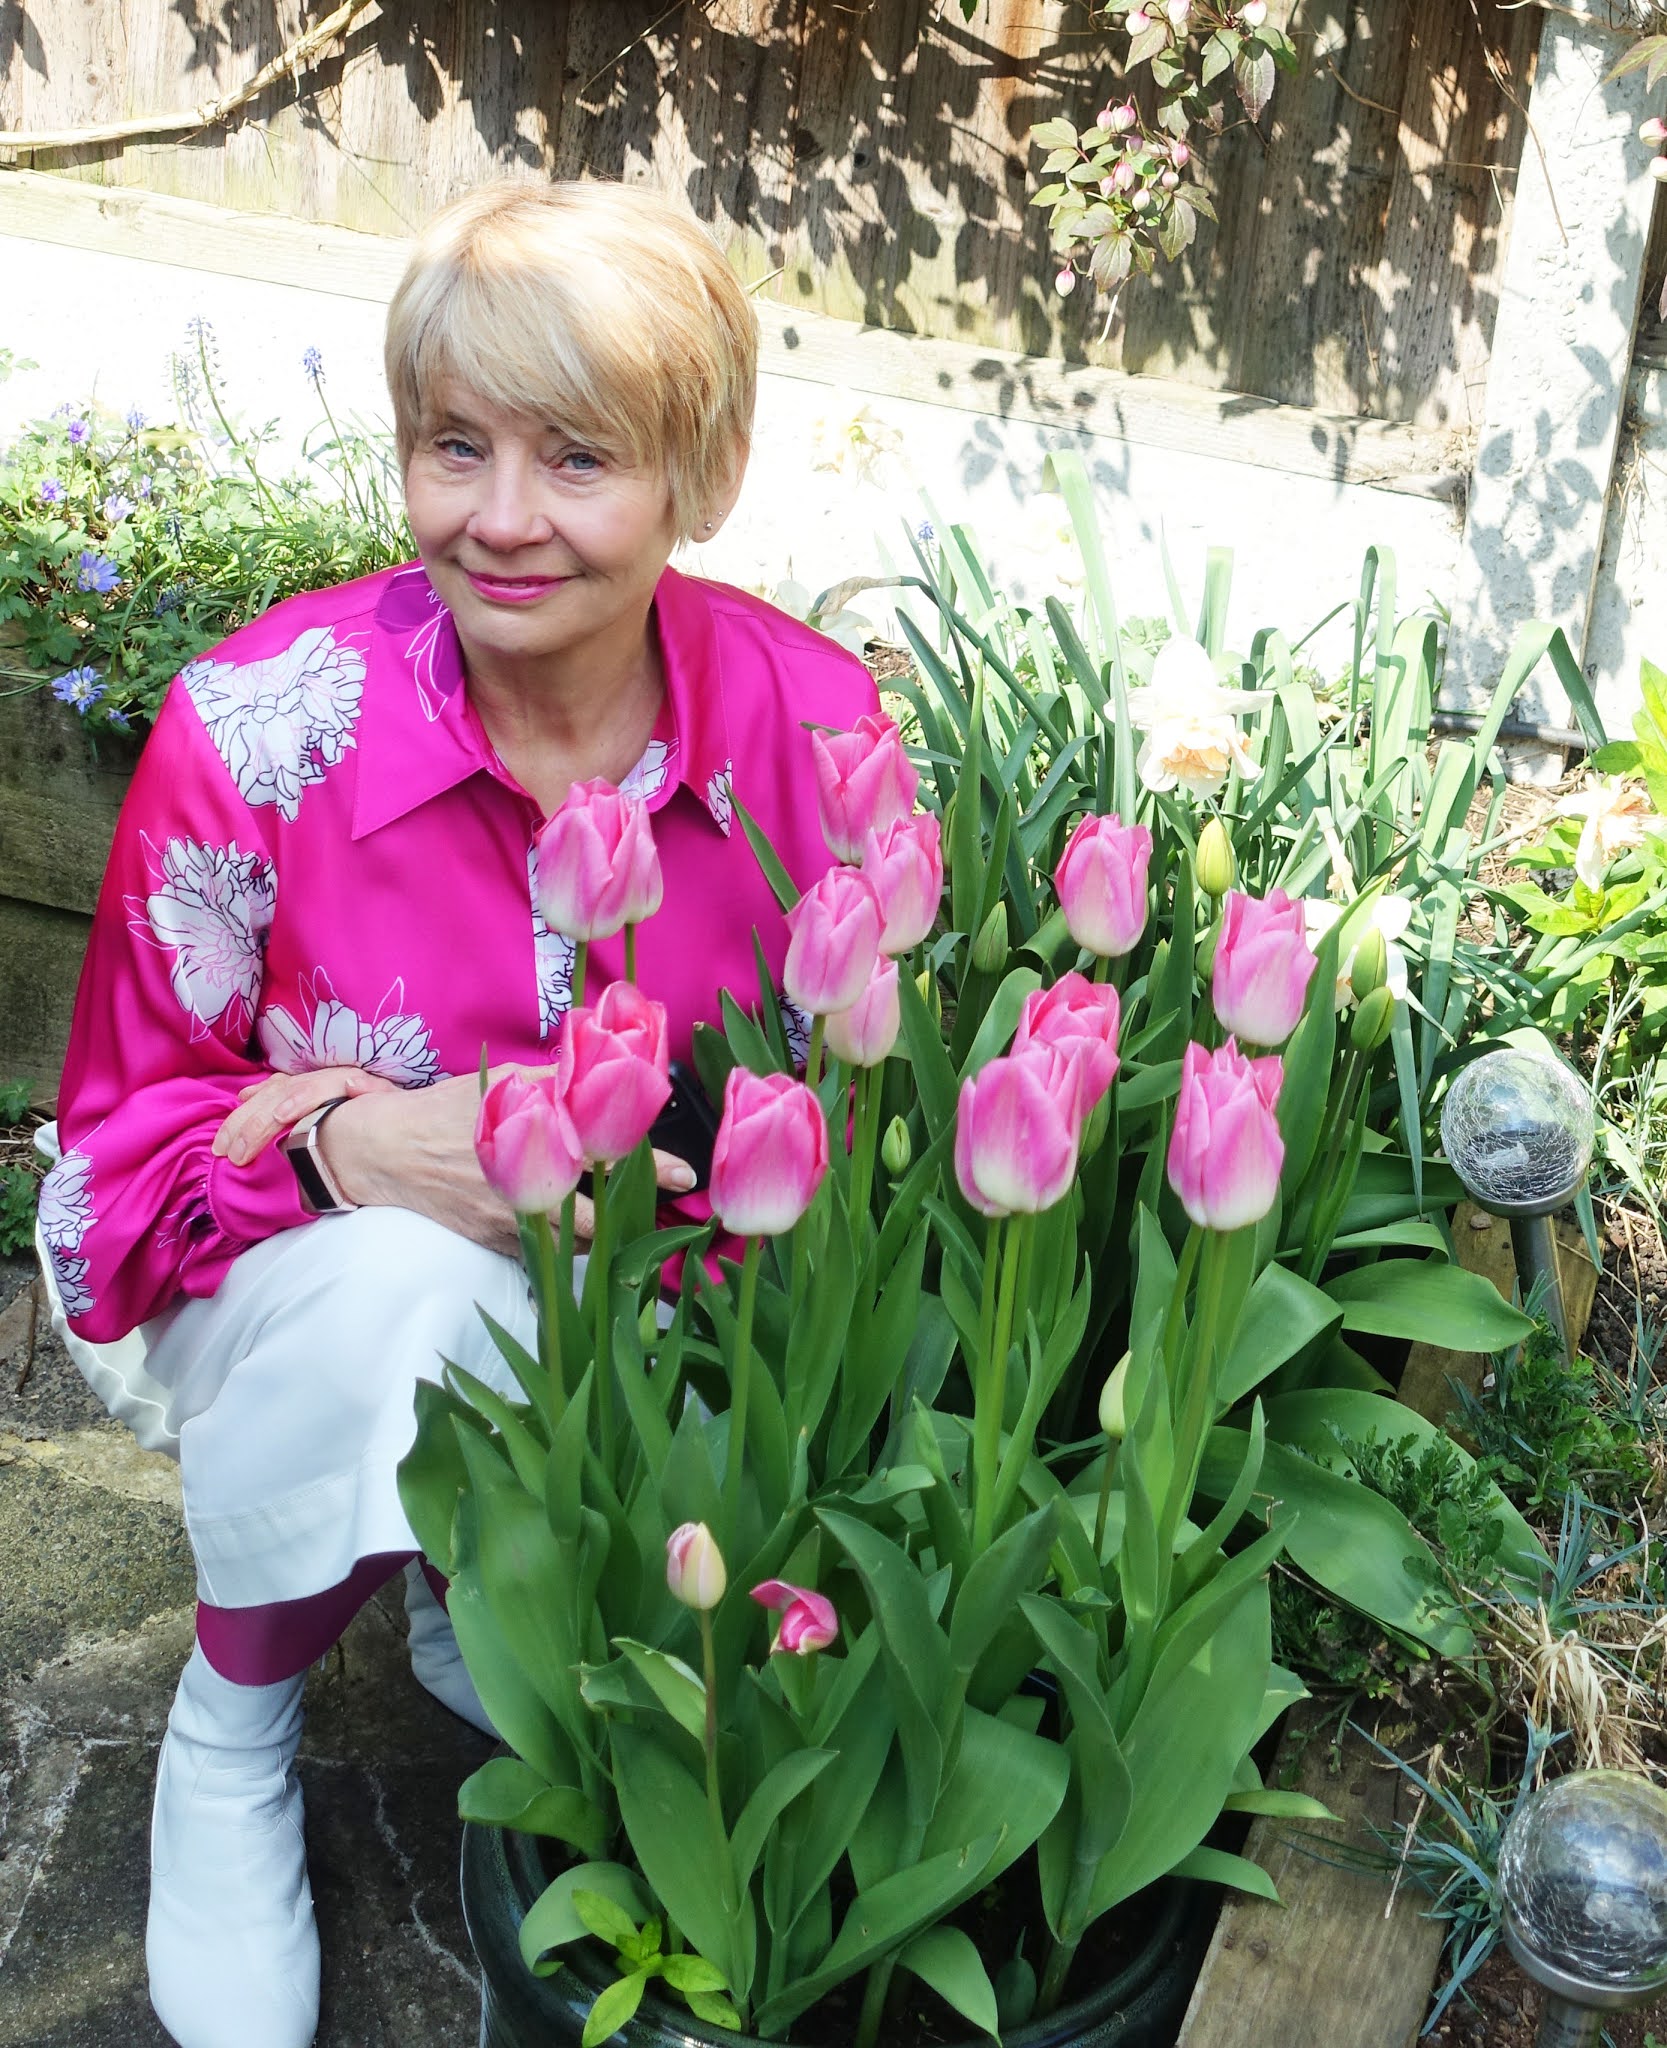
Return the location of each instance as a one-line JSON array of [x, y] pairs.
[[553, 1920], [1282, 1317], [679, 1690], [945, 1958], [1219, 1866], [506, 1793], [780, 1786], [1430, 1301]]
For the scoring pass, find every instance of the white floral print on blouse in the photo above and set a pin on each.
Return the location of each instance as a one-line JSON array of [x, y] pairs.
[[552, 959], [66, 1215], [280, 722], [393, 1043], [720, 797], [212, 909]]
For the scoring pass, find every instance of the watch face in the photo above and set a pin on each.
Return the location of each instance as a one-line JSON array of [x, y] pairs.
[[310, 1180]]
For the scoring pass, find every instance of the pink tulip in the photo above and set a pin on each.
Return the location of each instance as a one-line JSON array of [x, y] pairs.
[[863, 782], [770, 1154], [905, 864], [613, 1062], [1101, 884], [597, 868], [526, 1143], [1079, 1018], [808, 1621], [1263, 966], [1226, 1153], [864, 1035], [833, 942], [695, 1567], [1016, 1131]]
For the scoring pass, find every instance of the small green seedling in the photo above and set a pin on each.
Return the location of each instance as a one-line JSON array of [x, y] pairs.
[[640, 1959]]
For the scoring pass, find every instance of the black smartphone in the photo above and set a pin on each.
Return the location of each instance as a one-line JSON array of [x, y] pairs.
[[688, 1125]]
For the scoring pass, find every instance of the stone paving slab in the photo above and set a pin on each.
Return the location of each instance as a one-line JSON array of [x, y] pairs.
[[95, 1622]]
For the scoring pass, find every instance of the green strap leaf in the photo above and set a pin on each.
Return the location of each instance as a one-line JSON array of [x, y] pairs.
[[945, 1958]]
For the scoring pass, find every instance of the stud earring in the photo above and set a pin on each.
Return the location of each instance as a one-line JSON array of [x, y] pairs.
[[707, 525]]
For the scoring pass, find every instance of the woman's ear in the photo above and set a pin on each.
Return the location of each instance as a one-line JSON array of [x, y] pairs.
[[719, 508]]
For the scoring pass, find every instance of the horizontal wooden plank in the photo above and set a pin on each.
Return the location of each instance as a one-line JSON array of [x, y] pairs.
[[1034, 390], [58, 802], [42, 952]]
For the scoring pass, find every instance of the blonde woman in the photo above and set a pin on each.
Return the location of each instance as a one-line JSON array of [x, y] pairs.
[[268, 1220]]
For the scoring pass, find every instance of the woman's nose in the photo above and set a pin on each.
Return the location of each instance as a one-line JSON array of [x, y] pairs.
[[507, 513]]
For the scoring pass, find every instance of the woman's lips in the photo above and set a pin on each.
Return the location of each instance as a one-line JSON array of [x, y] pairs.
[[513, 589]]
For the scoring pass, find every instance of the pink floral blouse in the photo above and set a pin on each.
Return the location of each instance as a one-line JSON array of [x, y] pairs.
[[323, 862]]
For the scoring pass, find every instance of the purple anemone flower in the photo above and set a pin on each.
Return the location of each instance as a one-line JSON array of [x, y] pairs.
[[52, 492], [78, 686], [97, 573], [79, 431]]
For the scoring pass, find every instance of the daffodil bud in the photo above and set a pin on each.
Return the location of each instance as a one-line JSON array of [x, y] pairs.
[[1217, 869], [896, 1150], [989, 949], [1370, 969], [1372, 1021], [1112, 1419], [1094, 1131]]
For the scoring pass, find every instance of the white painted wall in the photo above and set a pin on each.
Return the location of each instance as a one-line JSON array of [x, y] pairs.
[[105, 324]]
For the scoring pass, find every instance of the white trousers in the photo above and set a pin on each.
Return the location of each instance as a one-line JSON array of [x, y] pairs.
[[287, 1394]]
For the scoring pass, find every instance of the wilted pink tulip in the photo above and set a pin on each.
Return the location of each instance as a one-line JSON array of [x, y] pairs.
[[597, 869], [863, 782], [808, 1621], [864, 1035], [526, 1143], [1079, 1018], [1225, 1153], [1016, 1131], [695, 1567], [1263, 966], [770, 1154], [905, 864], [613, 1060], [833, 942], [1101, 884]]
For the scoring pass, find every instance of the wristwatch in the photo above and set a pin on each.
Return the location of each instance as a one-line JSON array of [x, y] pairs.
[[319, 1188]]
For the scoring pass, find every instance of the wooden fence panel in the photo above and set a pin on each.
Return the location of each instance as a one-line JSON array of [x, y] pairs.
[[873, 162]]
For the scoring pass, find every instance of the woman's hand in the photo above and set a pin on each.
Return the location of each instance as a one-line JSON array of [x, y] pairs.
[[266, 1109], [414, 1148]]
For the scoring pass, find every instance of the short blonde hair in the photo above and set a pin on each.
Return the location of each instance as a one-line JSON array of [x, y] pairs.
[[603, 308]]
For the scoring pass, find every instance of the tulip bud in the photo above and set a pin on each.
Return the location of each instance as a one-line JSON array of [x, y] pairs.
[[1373, 1021], [695, 1567], [1066, 282], [989, 949], [1217, 869], [1225, 1150], [1112, 1418], [1262, 968], [1371, 964], [808, 1620], [1654, 131], [896, 1148]]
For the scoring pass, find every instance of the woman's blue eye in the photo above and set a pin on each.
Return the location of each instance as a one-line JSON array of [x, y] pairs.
[[584, 459], [454, 444]]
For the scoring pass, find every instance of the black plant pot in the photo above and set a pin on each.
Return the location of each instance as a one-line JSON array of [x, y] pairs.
[[503, 1873]]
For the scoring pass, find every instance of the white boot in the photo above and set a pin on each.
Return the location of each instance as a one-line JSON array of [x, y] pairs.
[[230, 1941], [436, 1661]]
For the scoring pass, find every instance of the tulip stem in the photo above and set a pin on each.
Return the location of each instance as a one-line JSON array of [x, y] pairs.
[[601, 1254], [1321, 1183], [722, 1856], [983, 1460], [813, 1056], [864, 1141], [538, 1240], [1104, 1508], [740, 1380], [581, 956], [990, 1404], [630, 952]]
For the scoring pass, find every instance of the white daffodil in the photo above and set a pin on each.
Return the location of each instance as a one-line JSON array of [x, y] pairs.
[[849, 438], [1044, 532], [1617, 815], [1390, 915], [1191, 723]]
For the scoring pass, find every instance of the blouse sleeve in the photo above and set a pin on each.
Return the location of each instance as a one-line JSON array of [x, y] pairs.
[[138, 1209]]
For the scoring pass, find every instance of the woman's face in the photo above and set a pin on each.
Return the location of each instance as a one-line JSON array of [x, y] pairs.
[[540, 547]]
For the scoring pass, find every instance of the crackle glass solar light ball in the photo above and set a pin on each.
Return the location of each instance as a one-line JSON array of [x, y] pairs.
[[1517, 1127], [1583, 1878]]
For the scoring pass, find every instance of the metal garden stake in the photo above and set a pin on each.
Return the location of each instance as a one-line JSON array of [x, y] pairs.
[[1583, 1880], [1518, 1129]]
